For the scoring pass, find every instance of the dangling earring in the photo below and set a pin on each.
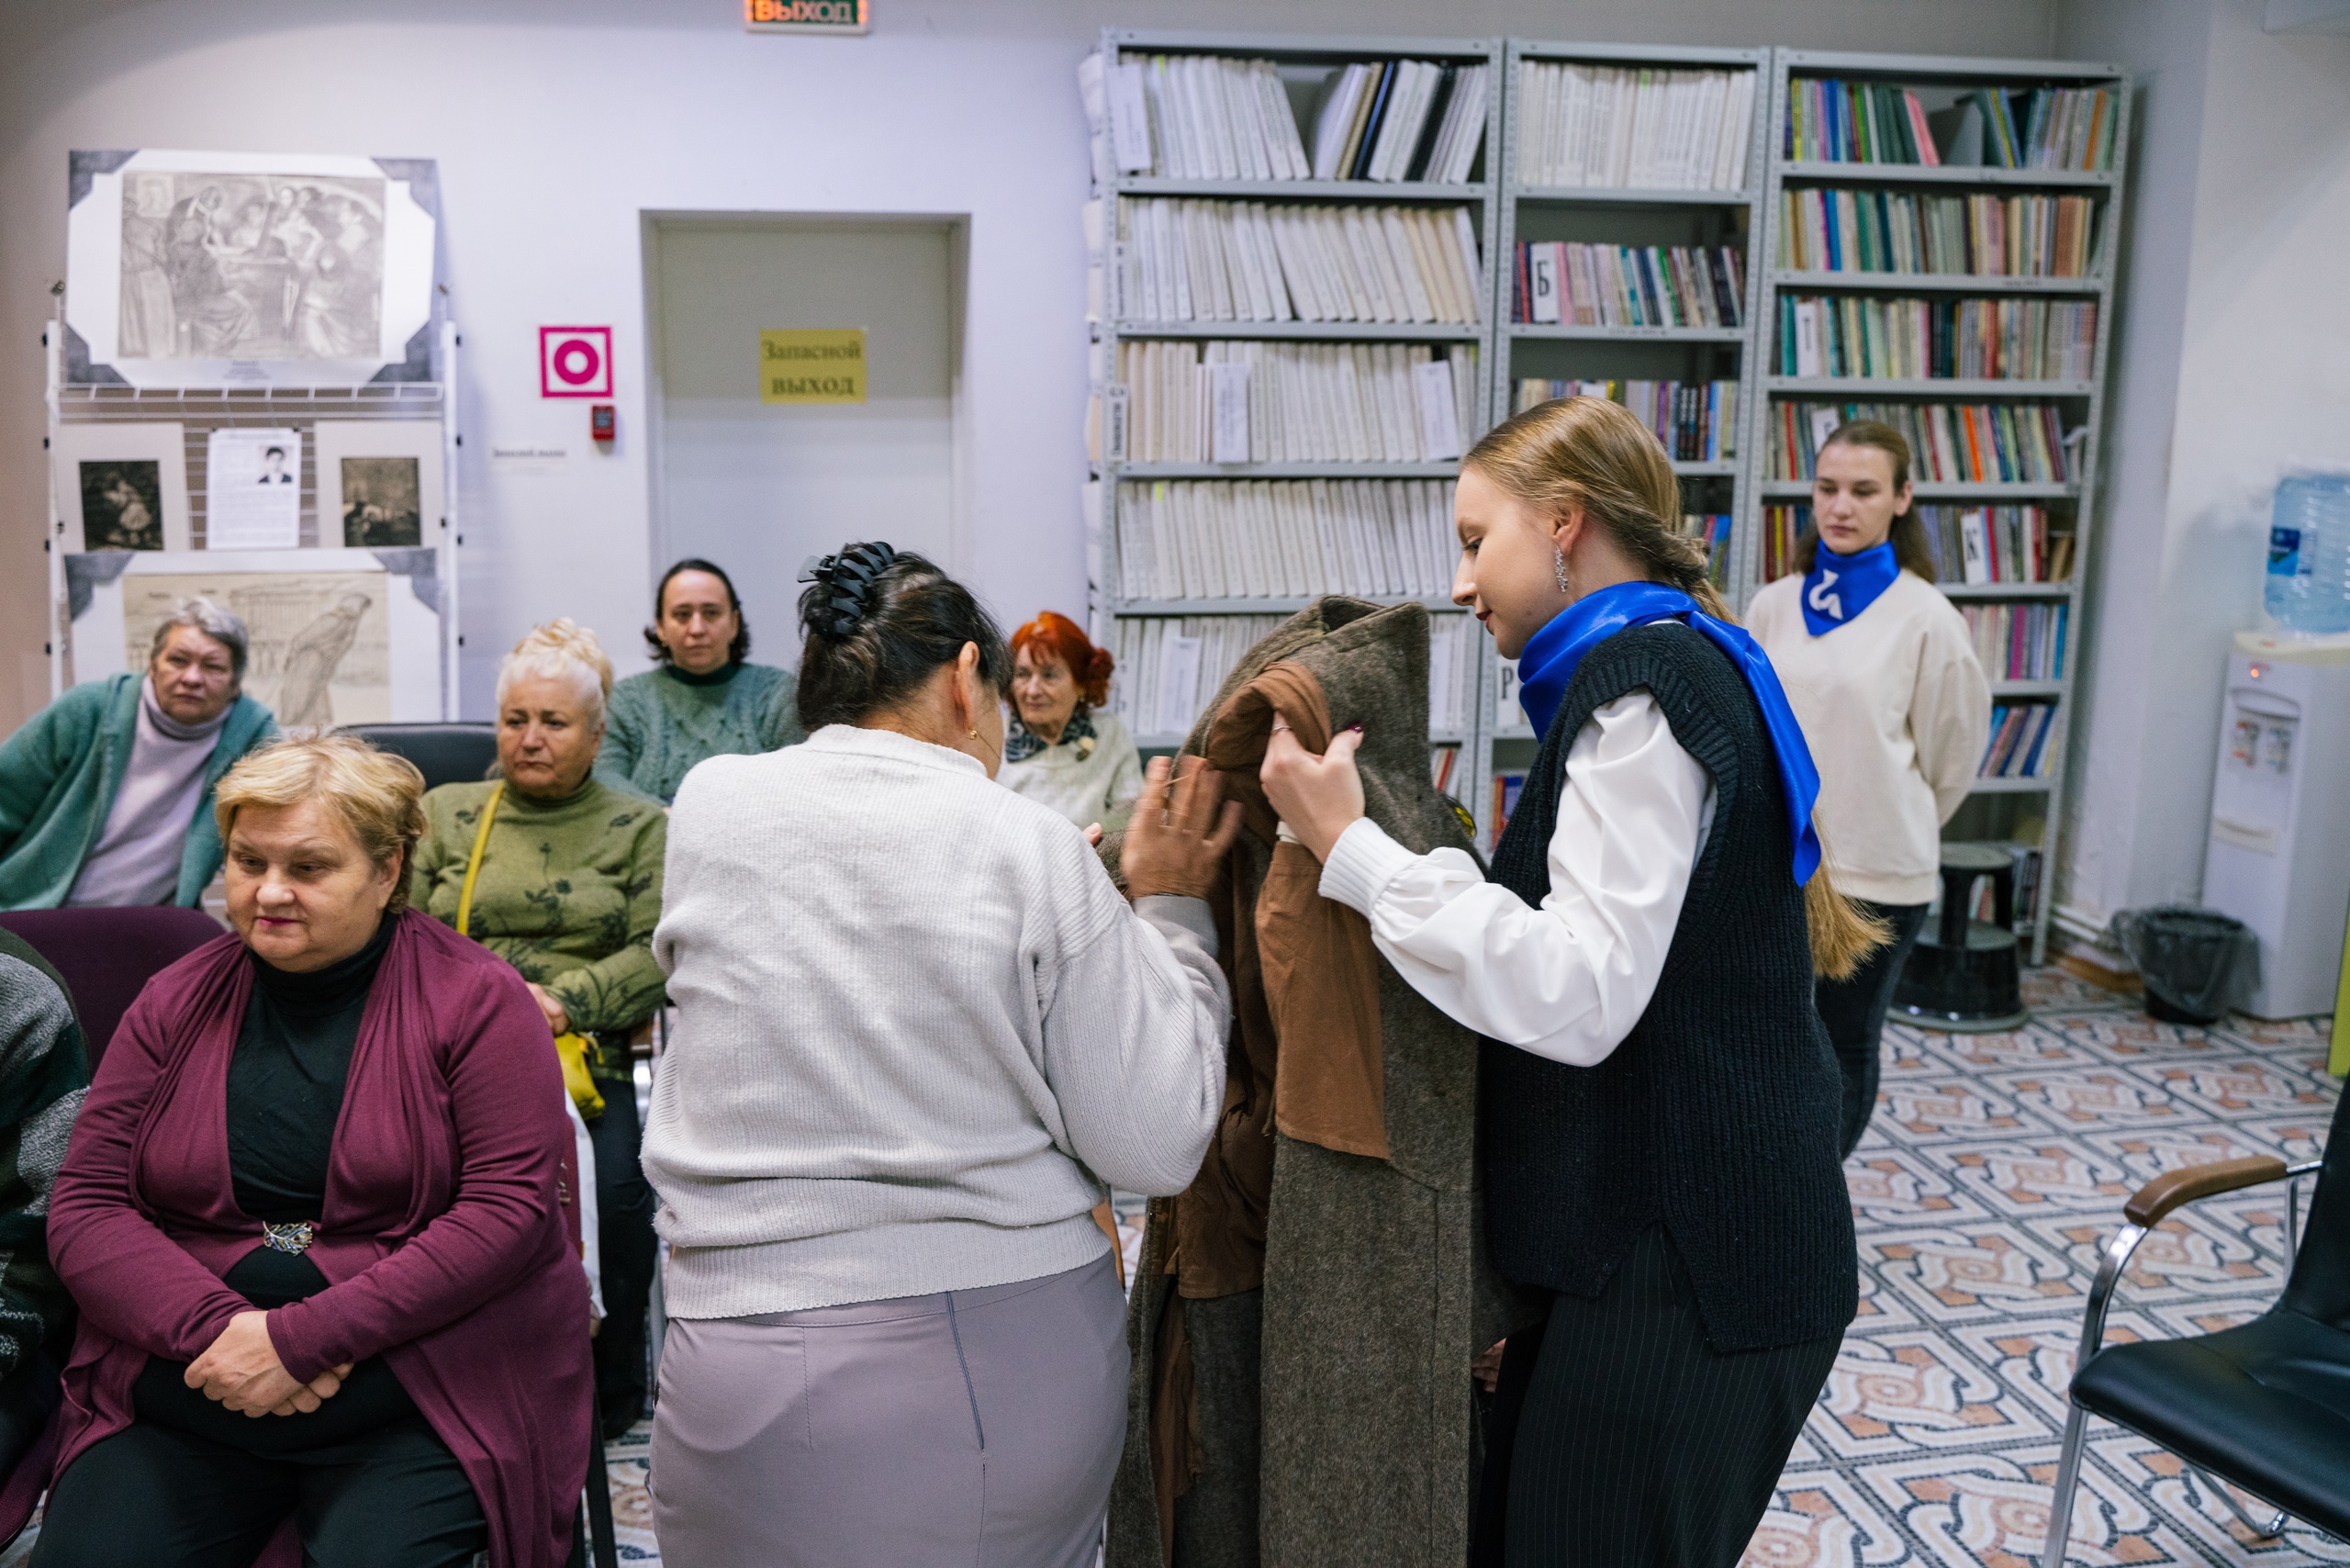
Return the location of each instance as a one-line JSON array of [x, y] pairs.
[[1559, 563]]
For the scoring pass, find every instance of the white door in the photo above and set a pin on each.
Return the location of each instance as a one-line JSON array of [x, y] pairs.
[[758, 487]]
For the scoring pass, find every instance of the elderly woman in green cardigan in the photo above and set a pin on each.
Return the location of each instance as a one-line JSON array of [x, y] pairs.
[[704, 699], [105, 795], [559, 874]]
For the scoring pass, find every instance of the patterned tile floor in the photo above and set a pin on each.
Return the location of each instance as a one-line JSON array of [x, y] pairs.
[[1993, 1173], [1995, 1169]]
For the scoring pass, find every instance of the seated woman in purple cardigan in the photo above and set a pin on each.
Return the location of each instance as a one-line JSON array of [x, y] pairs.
[[310, 1215]]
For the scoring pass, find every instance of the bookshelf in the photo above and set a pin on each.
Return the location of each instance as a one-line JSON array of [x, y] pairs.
[[2048, 264], [1559, 186], [1220, 501]]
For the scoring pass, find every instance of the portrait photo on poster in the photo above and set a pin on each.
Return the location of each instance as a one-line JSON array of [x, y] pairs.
[[378, 482], [252, 489], [122, 487], [189, 269]]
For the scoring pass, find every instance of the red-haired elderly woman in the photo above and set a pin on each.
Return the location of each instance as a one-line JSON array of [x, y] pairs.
[[309, 1214], [1060, 748]]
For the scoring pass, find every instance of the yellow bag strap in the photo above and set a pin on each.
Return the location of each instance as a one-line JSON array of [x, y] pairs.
[[473, 862]]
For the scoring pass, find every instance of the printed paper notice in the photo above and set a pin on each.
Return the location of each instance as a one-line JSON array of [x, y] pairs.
[[252, 489], [821, 364]]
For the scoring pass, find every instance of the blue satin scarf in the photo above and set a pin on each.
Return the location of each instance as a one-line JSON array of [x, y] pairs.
[[1551, 656], [1839, 588]]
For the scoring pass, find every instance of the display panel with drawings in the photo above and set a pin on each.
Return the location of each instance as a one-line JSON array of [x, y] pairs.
[[216, 269], [337, 636]]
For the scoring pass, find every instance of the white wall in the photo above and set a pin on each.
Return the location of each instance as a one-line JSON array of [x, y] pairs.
[[555, 127], [2231, 361]]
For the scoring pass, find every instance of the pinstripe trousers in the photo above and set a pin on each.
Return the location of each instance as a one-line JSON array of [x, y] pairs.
[[1627, 1440]]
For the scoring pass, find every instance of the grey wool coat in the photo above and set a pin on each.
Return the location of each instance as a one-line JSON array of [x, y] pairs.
[[1333, 1407]]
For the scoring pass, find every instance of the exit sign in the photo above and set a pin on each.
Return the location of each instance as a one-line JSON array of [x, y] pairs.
[[805, 15]]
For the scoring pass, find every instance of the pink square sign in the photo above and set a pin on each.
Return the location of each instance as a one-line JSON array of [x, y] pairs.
[[574, 362]]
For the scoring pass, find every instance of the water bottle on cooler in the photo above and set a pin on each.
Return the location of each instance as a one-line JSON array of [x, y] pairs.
[[2308, 553]]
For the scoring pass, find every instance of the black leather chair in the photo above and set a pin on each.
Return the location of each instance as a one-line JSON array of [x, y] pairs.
[[444, 754], [2265, 1404]]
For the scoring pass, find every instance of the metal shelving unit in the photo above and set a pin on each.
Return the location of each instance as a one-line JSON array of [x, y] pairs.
[[2035, 820], [1618, 215], [200, 410], [1297, 55]]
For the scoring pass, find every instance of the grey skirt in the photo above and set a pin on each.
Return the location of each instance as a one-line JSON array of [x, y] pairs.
[[971, 1427]]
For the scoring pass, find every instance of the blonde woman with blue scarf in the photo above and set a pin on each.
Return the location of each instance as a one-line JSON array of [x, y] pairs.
[[1881, 670], [1658, 1102]]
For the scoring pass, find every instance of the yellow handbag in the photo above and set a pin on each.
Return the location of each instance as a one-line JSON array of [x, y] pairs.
[[569, 1050]]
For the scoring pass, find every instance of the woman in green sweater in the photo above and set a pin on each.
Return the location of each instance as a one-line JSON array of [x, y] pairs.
[[567, 891], [704, 700]]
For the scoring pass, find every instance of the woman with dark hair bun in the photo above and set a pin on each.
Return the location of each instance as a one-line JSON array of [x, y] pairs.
[[704, 699], [1061, 749], [919, 1031]]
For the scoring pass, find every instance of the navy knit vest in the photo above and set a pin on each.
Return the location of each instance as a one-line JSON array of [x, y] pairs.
[[1716, 1116]]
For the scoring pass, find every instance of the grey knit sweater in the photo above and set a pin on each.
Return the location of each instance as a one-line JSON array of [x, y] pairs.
[[918, 1029]]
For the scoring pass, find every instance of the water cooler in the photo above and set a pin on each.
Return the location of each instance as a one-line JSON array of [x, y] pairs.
[[2279, 858]]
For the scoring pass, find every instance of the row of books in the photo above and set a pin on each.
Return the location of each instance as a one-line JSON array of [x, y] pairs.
[[1444, 765], [1949, 443], [1695, 422], [2024, 741], [1170, 668], [1285, 538], [1222, 261], [1968, 339], [1634, 127], [1195, 116], [1712, 530], [1275, 402], [1214, 118], [1982, 547], [1401, 120], [1835, 121], [2025, 904], [1627, 285], [1823, 229], [1507, 788], [2019, 641]]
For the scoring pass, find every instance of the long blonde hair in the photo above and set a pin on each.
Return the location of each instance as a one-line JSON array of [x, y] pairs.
[[1592, 455]]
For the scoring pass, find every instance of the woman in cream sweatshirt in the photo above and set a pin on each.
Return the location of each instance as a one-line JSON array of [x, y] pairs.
[[918, 1029], [1881, 671]]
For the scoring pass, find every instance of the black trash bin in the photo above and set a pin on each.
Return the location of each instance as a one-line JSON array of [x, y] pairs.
[[2196, 964]]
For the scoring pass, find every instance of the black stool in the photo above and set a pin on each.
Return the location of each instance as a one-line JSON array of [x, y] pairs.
[[1964, 975]]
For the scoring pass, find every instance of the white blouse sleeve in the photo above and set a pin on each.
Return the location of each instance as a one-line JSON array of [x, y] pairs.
[[1567, 981]]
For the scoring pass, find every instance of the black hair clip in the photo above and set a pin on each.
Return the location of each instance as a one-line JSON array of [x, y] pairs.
[[849, 576]]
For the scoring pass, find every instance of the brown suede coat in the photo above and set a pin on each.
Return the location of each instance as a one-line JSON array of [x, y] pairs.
[[1369, 1266]]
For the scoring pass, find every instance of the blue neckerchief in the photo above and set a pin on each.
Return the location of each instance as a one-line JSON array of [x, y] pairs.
[[1551, 656], [1838, 587]]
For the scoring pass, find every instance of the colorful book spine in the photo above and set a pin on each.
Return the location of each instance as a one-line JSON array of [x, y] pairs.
[[1695, 422]]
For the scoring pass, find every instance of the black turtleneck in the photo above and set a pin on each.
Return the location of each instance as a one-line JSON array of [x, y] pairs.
[[718, 677], [286, 1087]]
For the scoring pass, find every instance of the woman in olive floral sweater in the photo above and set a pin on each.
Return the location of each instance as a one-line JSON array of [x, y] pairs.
[[568, 892]]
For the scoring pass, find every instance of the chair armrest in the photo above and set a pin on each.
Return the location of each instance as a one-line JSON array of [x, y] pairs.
[[2174, 1189]]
